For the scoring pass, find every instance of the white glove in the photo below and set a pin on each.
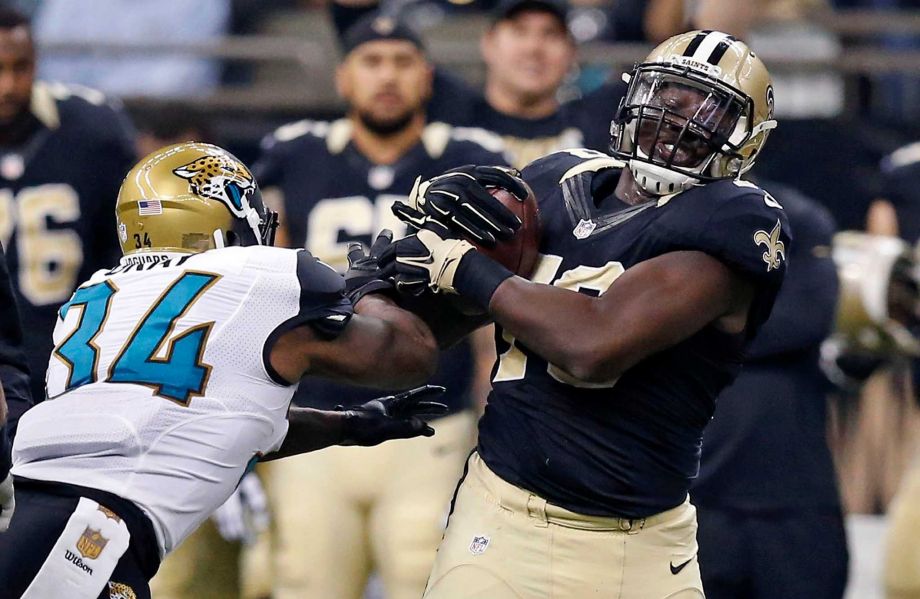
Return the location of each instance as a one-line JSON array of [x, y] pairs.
[[7, 502], [245, 514], [429, 259]]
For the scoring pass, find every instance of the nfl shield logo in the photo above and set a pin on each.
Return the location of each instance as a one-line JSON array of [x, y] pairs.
[[91, 543], [479, 544], [583, 229]]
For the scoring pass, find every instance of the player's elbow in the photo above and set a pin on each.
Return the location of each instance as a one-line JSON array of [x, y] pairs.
[[590, 363]]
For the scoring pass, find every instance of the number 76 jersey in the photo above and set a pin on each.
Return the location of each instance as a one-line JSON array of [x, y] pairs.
[[161, 391]]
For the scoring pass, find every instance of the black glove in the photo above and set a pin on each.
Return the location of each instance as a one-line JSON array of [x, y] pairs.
[[364, 274], [427, 260], [459, 198], [392, 417]]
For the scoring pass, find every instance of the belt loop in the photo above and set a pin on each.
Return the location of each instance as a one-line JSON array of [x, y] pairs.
[[632, 527], [536, 509]]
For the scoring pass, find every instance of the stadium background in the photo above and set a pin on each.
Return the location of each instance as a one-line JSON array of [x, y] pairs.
[[848, 94]]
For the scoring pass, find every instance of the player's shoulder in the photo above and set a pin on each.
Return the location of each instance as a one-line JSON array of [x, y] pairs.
[[467, 145], [303, 134], [78, 107], [726, 199], [546, 174]]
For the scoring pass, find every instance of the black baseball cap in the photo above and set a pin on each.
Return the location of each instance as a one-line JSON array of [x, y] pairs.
[[507, 9], [376, 26]]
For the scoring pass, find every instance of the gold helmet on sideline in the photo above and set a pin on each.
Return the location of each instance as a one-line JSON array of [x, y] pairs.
[[191, 197], [698, 109]]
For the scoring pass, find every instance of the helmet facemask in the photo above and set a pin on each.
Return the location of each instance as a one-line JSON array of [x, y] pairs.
[[677, 128]]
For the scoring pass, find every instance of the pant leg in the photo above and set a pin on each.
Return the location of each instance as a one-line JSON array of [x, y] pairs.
[[800, 554], [725, 563], [662, 558], [204, 566], [902, 553], [319, 542], [38, 522], [408, 519]]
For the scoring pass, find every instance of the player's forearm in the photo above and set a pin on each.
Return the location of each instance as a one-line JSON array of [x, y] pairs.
[[309, 430], [405, 353], [652, 306]]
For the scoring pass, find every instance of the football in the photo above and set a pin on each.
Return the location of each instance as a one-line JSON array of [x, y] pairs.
[[518, 254]]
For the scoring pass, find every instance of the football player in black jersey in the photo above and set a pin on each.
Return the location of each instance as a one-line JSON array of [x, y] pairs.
[[15, 398], [658, 266], [528, 51], [895, 214], [338, 182], [63, 153]]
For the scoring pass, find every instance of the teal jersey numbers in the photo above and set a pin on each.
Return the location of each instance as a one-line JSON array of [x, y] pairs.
[[78, 351], [177, 376]]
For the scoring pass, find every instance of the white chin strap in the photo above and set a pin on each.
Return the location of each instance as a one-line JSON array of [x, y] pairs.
[[658, 180]]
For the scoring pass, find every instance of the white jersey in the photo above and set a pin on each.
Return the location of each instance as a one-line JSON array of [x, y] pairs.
[[160, 391]]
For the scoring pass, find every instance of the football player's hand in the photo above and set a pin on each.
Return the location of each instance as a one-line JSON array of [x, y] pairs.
[[393, 417], [245, 514], [364, 274], [459, 199], [7, 502], [427, 260]]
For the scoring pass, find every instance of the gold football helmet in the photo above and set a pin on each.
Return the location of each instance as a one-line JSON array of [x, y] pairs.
[[879, 296], [698, 109], [191, 197]]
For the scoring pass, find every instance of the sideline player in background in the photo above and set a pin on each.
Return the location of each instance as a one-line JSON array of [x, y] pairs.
[[338, 181], [14, 387], [771, 523], [63, 153], [900, 201], [659, 266], [528, 50], [173, 373]]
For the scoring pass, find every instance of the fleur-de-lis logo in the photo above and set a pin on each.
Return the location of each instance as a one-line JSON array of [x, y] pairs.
[[776, 249]]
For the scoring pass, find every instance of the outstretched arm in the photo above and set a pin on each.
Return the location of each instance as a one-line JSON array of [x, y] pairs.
[[652, 306], [382, 346]]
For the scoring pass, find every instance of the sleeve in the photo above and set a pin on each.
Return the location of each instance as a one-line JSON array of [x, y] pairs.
[[14, 372], [323, 305], [750, 233], [804, 311]]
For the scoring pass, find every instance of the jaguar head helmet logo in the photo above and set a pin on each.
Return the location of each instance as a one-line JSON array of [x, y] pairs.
[[219, 178]]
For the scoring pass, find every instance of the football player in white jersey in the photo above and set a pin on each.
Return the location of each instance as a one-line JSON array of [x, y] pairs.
[[173, 372]]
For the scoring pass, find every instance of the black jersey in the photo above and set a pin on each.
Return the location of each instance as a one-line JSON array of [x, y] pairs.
[[528, 139], [629, 447], [14, 372], [334, 195], [766, 449], [57, 205]]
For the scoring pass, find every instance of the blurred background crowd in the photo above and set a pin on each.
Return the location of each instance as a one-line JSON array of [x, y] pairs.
[[275, 82]]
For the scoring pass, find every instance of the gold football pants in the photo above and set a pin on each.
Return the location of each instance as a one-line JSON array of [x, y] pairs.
[[503, 542], [342, 512], [902, 559]]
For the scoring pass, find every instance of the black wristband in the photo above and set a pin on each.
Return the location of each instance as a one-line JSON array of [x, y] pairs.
[[5, 458], [478, 277]]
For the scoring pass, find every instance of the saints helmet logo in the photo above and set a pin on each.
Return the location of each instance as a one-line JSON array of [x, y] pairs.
[[219, 178], [776, 249]]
